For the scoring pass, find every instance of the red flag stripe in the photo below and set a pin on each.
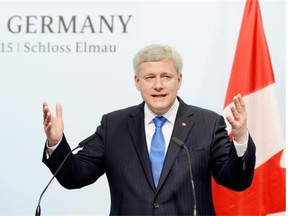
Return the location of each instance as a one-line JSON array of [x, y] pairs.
[[252, 68], [268, 198]]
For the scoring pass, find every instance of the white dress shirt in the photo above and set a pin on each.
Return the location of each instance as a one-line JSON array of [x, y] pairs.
[[167, 128]]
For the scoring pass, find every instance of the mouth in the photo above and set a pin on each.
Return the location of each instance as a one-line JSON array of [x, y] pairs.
[[159, 95]]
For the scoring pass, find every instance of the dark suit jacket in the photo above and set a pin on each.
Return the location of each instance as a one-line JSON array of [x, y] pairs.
[[120, 151]]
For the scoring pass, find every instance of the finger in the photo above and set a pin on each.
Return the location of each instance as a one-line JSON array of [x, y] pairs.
[[237, 103], [230, 120], [47, 118], [46, 112], [59, 110], [44, 103], [240, 105], [234, 112], [241, 101], [47, 127], [44, 106]]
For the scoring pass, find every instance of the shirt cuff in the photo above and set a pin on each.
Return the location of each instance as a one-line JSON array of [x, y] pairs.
[[241, 147], [50, 150]]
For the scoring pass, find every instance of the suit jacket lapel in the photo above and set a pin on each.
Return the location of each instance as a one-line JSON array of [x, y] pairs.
[[136, 128], [182, 127]]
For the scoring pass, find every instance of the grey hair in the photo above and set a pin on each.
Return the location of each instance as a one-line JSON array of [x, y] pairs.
[[157, 52]]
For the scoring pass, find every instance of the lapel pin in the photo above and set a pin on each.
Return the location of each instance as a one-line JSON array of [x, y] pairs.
[[183, 124]]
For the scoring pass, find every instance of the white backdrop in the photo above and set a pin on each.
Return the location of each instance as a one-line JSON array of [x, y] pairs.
[[91, 84]]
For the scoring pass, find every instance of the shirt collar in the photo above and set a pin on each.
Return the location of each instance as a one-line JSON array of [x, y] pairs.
[[170, 115]]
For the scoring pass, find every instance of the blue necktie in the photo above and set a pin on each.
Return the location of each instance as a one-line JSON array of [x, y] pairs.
[[157, 150]]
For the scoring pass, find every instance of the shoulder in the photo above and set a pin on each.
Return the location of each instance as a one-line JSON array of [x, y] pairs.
[[125, 112], [197, 111], [200, 115], [203, 111]]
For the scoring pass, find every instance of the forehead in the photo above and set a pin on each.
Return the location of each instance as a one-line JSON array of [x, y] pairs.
[[166, 66]]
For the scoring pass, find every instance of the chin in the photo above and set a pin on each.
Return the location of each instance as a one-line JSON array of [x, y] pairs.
[[159, 110]]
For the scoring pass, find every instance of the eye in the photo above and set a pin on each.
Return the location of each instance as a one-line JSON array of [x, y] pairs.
[[166, 77], [149, 78]]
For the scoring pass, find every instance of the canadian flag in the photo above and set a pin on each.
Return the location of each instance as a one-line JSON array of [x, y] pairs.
[[252, 76]]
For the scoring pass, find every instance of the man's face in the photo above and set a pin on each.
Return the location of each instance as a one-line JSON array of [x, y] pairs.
[[158, 83]]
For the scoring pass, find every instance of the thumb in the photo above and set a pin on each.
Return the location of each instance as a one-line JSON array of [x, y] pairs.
[[230, 120], [58, 110]]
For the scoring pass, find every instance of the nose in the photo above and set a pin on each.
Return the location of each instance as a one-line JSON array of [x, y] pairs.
[[158, 84]]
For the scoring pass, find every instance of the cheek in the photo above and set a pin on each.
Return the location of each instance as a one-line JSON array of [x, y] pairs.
[[178, 85], [174, 87], [142, 88]]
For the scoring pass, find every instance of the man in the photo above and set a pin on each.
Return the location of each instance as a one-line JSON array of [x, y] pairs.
[[148, 174]]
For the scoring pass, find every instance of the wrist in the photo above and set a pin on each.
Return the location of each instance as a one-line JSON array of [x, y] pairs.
[[241, 139], [52, 143]]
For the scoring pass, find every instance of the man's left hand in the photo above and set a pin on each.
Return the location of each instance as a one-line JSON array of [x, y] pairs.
[[239, 120]]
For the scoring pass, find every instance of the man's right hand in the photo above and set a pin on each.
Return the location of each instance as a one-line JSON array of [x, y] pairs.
[[53, 125]]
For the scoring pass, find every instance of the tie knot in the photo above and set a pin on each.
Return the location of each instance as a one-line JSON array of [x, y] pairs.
[[159, 121]]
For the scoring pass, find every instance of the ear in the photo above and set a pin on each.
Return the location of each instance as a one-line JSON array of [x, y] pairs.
[[179, 81], [136, 81]]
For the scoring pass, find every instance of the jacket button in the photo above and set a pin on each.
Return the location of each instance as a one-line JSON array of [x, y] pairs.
[[156, 205], [244, 166]]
